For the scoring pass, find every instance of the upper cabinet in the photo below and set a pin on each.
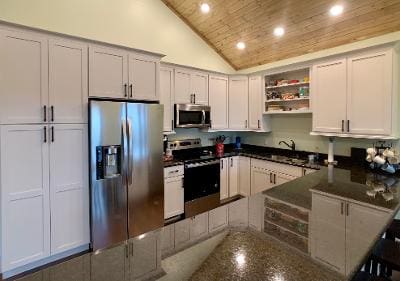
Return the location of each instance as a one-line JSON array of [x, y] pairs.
[[255, 102], [23, 78], [191, 86], [238, 102], [68, 78], [356, 96], [218, 100], [167, 96], [116, 73]]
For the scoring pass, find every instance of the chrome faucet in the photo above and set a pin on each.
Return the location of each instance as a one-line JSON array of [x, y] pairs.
[[292, 146]]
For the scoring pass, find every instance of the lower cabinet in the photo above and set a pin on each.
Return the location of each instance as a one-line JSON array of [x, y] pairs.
[[238, 213], [244, 176], [261, 180], [256, 212], [229, 177], [174, 201], [341, 231], [167, 238], [218, 219], [110, 264], [191, 229]]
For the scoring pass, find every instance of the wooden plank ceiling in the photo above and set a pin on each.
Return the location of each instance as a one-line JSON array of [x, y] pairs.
[[309, 27]]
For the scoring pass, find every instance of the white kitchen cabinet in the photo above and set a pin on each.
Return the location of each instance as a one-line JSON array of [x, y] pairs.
[[108, 72], [341, 231], [167, 97], [173, 195], [68, 78], [355, 96], [182, 233], [23, 77], [218, 101], [261, 180], [25, 204], [329, 96], [369, 93], [255, 102], [256, 212], [238, 102], [280, 178], [233, 175], [224, 178], [144, 71], [239, 213], [167, 238], [218, 218], [69, 193], [191, 86], [244, 176], [198, 226], [363, 224]]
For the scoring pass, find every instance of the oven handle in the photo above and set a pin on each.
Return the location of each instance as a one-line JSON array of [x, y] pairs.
[[195, 165]]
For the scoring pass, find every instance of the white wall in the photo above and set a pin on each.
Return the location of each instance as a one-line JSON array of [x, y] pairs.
[[298, 128], [143, 24]]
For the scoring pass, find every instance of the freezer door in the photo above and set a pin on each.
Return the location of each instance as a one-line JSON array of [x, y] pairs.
[[145, 168], [108, 166]]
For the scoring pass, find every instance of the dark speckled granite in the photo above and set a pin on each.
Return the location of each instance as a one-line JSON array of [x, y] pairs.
[[250, 256]]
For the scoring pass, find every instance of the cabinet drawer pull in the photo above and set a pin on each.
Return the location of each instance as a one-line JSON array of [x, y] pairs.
[[231, 162], [131, 90], [194, 98], [258, 123], [348, 125], [125, 90], [274, 178], [44, 113], [44, 134], [222, 164], [341, 208], [270, 177], [173, 172], [342, 125], [347, 209]]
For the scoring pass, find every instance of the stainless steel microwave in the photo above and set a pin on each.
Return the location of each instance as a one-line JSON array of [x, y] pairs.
[[192, 116]]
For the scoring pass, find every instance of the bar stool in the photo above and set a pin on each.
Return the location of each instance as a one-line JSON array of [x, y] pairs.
[[365, 276], [387, 254]]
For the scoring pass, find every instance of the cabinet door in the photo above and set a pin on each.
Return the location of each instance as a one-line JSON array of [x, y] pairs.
[[238, 103], [280, 178], [244, 176], [218, 100], [198, 226], [145, 255], [68, 77], [143, 77], [224, 179], [182, 232], [69, 194], [256, 212], [167, 96], [110, 264], [239, 213], [183, 91], [327, 236], [255, 102], [25, 209], [167, 238], [233, 176], [23, 78], [218, 218], [369, 93], [260, 180], [363, 225], [199, 84], [329, 96], [173, 197], [108, 72]]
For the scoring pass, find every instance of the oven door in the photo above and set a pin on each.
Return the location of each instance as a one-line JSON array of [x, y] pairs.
[[201, 179], [192, 116]]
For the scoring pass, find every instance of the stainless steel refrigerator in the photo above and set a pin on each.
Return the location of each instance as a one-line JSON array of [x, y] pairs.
[[126, 170]]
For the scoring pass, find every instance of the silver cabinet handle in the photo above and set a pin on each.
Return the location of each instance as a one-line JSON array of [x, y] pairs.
[[341, 208], [258, 123], [194, 98], [44, 134], [131, 90], [125, 90], [222, 164], [270, 177], [44, 113], [347, 209], [274, 178], [342, 125], [231, 162], [348, 125], [52, 113]]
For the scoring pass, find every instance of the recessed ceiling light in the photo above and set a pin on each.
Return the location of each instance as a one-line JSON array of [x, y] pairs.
[[279, 31], [336, 10], [205, 8], [241, 45]]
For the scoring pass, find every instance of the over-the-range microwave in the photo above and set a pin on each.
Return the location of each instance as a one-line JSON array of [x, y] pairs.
[[192, 116]]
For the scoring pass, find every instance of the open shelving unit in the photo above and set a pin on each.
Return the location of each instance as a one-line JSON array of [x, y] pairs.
[[274, 96]]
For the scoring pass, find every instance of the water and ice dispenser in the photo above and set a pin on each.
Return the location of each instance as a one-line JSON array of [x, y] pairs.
[[108, 160]]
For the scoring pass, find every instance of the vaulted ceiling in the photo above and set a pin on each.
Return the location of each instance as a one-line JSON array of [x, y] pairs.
[[307, 23]]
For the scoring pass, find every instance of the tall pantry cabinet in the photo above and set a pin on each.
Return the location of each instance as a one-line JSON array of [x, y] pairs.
[[43, 143]]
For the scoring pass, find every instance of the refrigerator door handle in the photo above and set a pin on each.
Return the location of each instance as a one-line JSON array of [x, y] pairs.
[[130, 151], [125, 146]]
